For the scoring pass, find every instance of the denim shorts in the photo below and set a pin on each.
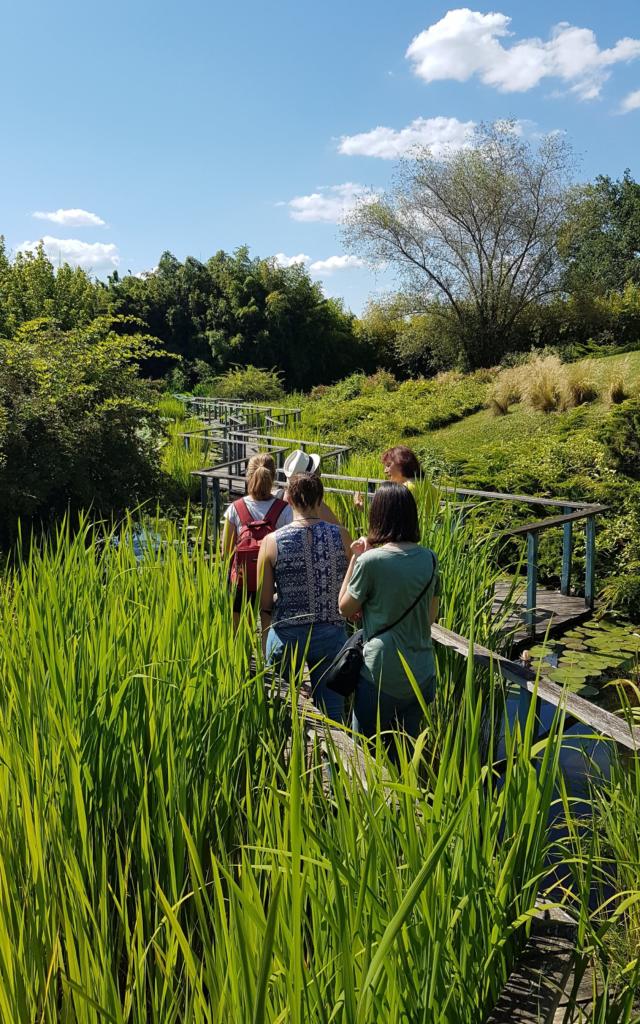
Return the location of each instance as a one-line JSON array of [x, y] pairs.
[[371, 703], [318, 644]]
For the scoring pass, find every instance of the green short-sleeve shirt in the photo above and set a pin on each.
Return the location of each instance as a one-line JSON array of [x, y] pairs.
[[385, 582]]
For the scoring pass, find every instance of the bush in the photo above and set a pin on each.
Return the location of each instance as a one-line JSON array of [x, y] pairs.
[[543, 383], [78, 426], [249, 383], [621, 435], [581, 384], [506, 390]]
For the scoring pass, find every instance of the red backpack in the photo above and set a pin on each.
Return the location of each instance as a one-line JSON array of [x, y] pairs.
[[244, 567]]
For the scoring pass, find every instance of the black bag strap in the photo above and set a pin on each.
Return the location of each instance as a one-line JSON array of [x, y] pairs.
[[385, 629]]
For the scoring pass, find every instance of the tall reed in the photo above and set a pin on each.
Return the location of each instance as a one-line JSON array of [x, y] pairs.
[[171, 849]]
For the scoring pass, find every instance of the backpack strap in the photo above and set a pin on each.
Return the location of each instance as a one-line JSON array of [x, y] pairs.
[[243, 512], [274, 513]]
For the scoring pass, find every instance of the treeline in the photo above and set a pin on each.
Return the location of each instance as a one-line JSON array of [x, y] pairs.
[[575, 289], [207, 316]]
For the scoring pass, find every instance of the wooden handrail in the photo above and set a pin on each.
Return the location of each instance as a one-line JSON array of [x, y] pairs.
[[605, 723], [547, 524]]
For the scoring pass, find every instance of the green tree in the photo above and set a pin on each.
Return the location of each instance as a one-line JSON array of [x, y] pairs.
[[600, 240], [77, 422], [475, 230], [30, 287]]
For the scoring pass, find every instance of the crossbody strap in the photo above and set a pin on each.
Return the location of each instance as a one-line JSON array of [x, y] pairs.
[[385, 629]]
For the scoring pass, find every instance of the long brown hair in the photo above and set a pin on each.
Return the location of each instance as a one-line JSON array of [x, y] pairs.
[[261, 473], [393, 516]]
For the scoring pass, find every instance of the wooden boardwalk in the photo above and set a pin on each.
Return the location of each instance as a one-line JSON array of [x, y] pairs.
[[553, 615]]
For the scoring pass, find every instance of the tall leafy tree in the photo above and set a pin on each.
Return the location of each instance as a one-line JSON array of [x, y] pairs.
[[600, 240], [475, 230]]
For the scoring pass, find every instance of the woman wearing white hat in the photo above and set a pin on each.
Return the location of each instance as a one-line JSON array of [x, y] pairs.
[[305, 462]]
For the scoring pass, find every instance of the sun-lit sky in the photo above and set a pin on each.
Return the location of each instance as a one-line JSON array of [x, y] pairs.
[[131, 128]]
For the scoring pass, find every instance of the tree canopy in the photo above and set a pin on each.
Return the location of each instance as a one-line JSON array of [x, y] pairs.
[[600, 240], [475, 230]]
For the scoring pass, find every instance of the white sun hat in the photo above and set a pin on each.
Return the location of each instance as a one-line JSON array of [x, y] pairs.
[[300, 462]]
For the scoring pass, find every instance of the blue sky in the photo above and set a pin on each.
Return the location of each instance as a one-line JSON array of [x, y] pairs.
[[196, 126]]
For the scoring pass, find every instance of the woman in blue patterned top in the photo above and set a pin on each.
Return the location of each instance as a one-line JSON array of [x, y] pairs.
[[302, 566]]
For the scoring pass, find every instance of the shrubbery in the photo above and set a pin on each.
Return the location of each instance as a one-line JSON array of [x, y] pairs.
[[250, 383], [78, 426]]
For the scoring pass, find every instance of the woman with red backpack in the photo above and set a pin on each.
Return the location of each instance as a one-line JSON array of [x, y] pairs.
[[247, 522]]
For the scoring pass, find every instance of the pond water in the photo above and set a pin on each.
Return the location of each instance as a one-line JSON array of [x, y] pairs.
[[599, 660]]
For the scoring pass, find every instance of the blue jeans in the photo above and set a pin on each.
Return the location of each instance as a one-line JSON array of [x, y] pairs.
[[395, 713], [318, 644]]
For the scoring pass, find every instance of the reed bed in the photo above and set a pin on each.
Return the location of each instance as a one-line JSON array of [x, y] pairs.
[[171, 849]]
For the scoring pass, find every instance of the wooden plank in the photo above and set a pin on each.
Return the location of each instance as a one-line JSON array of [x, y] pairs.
[[603, 722], [536, 984]]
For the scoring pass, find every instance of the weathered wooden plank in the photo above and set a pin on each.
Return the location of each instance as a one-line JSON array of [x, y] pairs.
[[536, 984]]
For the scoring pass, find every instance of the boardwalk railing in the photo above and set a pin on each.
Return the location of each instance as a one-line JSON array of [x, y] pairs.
[[241, 430], [231, 411]]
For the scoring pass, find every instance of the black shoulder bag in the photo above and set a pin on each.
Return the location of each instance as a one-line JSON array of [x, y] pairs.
[[344, 671]]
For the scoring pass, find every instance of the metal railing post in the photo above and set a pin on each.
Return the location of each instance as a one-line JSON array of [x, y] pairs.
[[590, 562], [532, 582], [567, 553]]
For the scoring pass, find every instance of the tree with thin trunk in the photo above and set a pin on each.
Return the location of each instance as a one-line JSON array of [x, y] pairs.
[[473, 233]]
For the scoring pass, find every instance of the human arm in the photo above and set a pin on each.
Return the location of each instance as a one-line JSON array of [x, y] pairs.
[[266, 558], [348, 604]]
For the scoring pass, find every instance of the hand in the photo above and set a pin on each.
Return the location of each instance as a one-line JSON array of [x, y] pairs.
[[358, 500], [359, 546]]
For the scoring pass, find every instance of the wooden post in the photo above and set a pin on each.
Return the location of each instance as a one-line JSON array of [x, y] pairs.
[[215, 511], [532, 580], [567, 552], [204, 494], [590, 562]]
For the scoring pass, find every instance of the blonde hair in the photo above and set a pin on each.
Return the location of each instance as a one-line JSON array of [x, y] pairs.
[[261, 473]]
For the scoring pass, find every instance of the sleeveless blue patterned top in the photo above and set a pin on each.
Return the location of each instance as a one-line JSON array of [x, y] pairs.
[[309, 570]]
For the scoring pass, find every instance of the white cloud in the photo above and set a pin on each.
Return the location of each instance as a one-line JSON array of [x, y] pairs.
[[440, 134], [282, 260], [466, 43], [91, 256], [333, 263], [630, 102], [144, 275], [71, 218], [331, 203]]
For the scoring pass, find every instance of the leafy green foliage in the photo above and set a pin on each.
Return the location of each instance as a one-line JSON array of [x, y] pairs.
[[30, 287], [621, 434], [249, 383], [370, 413], [237, 310], [600, 239], [77, 423]]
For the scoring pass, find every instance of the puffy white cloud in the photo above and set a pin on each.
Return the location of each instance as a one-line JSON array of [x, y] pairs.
[[91, 256], [331, 203], [466, 43], [71, 218], [438, 133], [333, 263], [282, 260], [630, 102]]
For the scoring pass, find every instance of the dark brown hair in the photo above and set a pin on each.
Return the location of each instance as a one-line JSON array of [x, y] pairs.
[[261, 473], [305, 491], [393, 516], [405, 459]]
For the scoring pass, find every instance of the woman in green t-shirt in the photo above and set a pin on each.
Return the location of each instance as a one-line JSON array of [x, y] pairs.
[[391, 574]]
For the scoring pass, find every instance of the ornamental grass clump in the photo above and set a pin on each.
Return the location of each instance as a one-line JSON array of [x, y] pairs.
[[505, 392], [174, 848], [543, 381], [580, 383]]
